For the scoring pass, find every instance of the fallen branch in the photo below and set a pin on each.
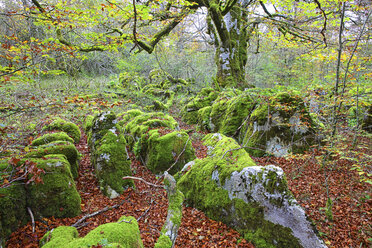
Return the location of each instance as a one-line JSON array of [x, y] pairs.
[[77, 223], [140, 179], [32, 219]]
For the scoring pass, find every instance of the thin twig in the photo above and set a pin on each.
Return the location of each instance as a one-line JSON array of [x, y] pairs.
[[147, 210], [141, 179], [32, 219], [184, 149], [77, 223]]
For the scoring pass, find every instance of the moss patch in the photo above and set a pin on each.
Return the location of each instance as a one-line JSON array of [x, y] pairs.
[[59, 237], [160, 152], [203, 99], [124, 233], [13, 213], [163, 242], [57, 196], [70, 128], [141, 124], [59, 147], [111, 164], [50, 137]]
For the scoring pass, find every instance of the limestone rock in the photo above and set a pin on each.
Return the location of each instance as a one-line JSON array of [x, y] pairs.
[[57, 196], [229, 187], [108, 154]]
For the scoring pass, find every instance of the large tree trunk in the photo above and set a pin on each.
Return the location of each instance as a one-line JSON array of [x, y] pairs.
[[229, 32]]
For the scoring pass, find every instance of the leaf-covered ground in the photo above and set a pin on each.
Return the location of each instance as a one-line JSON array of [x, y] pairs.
[[309, 182]]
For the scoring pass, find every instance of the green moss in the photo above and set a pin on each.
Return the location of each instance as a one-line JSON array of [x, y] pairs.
[[104, 121], [88, 123], [70, 128], [59, 237], [143, 123], [50, 137], [111, 164], [59, 147], [219, 108], [203, 99], [228, 153], [126, 116], [238, 110], [160, 152], [57, 195], [13, 213], [163, 242], [121, 232], [203, 118], [124, 233], [175, 205]]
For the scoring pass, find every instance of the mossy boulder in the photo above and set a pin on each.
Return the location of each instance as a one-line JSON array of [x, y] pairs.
[[128, 115], [141, 124], [278, 125], [68, 127], [88, 122], [201, 100], [59, 147], [123, 233], [160, 152], [13, 209], [203, 118], [111, 164], [254, 200], [50, 137], [108, 154], [237, 112], [219, 108], [57, 194]]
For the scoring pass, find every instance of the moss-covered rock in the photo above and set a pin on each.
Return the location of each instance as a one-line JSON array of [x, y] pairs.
[[57, 194], [59, 147], [219, 108], [59, 237], [203, 118], [124, 233], [160, 152], [254, 200], [141, 124], [88, 123], [70, 128], [111, 164], [237, 112], [50, 137], [128, 115], [203, 99], [163, 242], [13, 212], [278, 126], [108, 154]]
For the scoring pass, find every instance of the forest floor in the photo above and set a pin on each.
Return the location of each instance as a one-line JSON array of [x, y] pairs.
[[309, 182]]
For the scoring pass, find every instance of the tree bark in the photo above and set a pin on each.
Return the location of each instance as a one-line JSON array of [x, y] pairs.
[[230, 38]]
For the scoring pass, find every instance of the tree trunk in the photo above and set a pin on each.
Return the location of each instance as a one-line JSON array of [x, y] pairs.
[[230, 39]]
